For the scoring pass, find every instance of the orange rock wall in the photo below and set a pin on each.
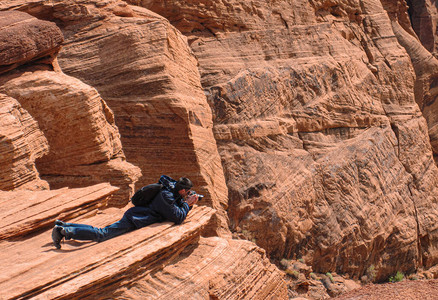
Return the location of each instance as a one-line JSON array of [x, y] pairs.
[[55, 126], [22, 142], [315, 118], [324, 148], [143, 68]]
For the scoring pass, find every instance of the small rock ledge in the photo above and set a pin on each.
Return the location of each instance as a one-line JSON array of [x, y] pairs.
[[33, 268]]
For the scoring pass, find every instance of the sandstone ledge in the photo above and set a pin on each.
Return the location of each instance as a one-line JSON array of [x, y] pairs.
[[34, 268], [216, 268], [24, 212]]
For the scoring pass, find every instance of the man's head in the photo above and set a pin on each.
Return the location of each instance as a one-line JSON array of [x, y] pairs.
[[183, 186]]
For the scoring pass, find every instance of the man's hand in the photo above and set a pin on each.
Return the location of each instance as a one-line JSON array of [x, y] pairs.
[[192, 199]]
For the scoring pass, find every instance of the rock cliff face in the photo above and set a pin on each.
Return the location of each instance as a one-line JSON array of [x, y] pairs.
[[421, 47], [84, 142], [324, 148], [309, 125], [145, 71], [60, 127], [24, 39], [71, 123]]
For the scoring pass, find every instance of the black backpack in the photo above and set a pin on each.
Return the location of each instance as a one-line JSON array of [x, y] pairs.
[[146, 194]]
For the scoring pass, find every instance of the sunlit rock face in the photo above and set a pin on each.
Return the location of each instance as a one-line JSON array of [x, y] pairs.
[[24, 38], [21, 143], [73, 141], [314, 117], [84, 143], [53, 126], [210, 271], [143, 68], [325, 150]]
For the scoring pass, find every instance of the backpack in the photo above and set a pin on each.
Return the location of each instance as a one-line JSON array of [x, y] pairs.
[[146, 194]]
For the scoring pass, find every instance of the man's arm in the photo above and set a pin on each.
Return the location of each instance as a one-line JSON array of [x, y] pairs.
[[170, 210]]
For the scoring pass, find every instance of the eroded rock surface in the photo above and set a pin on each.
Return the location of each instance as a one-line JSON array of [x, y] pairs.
[[317, 110], [80, 130], [24, 212], [88, 270], [21, 143], [145, 71], [424, 17], [66, 109], [205, 272], [322, 142], [24, 38]]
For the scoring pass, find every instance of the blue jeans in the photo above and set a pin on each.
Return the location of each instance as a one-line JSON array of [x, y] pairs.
[[135, 217], [87, 232]]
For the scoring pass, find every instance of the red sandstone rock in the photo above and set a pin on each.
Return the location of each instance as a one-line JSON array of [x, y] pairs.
[[24, 212], [21, 143], [80, 131], [24, 38], [424, 62], [147, 74], [424, 16], [207, 271], [80, 269], [325, 151]]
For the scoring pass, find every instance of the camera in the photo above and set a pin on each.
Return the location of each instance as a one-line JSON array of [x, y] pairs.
[[194, 193]]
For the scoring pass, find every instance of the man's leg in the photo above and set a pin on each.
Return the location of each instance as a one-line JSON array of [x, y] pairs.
[[85, 232]]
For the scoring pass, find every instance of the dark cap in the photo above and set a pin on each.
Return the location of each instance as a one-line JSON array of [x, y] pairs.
[[183, 184]]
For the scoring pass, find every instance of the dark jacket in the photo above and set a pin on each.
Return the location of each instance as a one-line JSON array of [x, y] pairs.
[[167, 205]]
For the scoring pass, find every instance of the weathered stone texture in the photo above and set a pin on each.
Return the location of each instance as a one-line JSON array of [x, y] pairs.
[[205, 272], [421, 50], [324, 148], [21, 143], [100, 266], [25, 212], [80, 130], [325, 151], [424, 17], [169, 129], [145, 71], [24, 38]]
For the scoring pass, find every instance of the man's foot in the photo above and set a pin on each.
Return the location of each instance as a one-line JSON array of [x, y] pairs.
[[57, 236], [59, 223]]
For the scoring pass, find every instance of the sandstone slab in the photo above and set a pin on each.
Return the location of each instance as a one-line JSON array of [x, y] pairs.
[[24, 212], [84, 269], [24, 38], [207, 270]]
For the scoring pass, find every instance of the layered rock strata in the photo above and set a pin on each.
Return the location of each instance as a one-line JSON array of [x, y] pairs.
[[66, 109], [205, 271], [325, 151], [84, 142], [424, 16], [24, 38], [86, 270], [24, 212], [423, 61], [78, 127], [145, 71], [21, 143]]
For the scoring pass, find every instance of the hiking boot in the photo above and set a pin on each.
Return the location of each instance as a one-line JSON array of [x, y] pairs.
[[57, 236], [59, 223]]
